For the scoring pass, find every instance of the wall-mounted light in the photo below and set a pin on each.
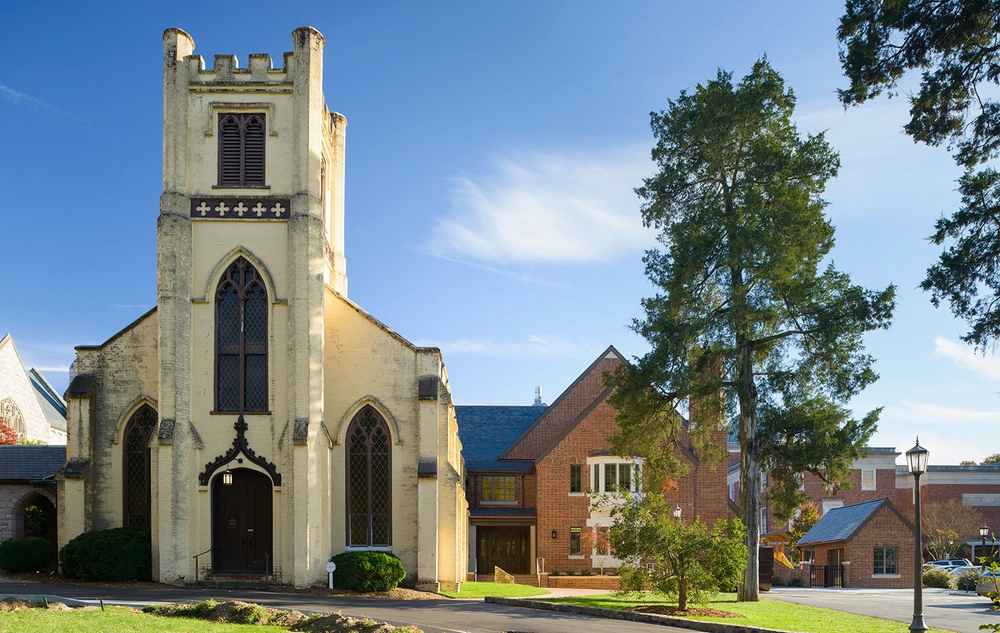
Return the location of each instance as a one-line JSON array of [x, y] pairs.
[[554, 534], [227, 477]]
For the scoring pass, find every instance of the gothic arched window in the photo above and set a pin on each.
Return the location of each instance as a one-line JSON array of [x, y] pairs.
[[241, 340], [369, 482], [11, 415], [135, 491]]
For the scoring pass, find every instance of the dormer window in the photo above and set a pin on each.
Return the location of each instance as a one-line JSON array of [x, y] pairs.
[[241, 150]]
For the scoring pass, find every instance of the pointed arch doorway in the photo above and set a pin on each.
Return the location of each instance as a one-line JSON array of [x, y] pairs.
[[241, 523]]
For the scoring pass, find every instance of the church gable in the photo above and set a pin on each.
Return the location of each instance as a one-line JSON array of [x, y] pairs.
[[27, 407]]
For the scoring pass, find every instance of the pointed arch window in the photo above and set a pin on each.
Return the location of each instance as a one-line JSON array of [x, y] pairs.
[[10, 413], [241, 341], [136, 475], [369, 481], [241, 150]]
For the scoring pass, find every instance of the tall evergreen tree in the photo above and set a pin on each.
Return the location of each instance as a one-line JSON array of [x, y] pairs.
[[955, 44], [744, 308]]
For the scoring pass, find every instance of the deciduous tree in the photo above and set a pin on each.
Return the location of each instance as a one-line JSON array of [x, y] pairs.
[[7, 434], [748, 306], [686, 561], [947, 525], [955, 44]]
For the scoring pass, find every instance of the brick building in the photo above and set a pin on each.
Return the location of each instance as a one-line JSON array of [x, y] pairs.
[[532, 472], [869, 544]]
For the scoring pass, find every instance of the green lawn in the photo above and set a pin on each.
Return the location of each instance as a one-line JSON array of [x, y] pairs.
[[773, 614], [114, 620], [483, 589]]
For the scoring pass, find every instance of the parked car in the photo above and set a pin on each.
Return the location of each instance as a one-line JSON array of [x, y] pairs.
[[989, 582], [956, 562]]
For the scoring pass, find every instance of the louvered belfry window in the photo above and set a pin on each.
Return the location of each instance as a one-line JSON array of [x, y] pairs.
[[369, 482], [241, 150], [136, 495], [241, 340]]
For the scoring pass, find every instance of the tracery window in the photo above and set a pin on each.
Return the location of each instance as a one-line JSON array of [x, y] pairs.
[[136, 475], [11, 415], [369, 481], [241, 340], [241, 150]]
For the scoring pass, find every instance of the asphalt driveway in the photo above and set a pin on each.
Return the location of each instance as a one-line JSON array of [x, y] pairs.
[[943, 608]]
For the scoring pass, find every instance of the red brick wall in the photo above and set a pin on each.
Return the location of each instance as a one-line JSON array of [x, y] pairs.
[[563, 412], [941, 493]]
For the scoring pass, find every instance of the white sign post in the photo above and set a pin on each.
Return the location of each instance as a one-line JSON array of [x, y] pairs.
[[330, 568]]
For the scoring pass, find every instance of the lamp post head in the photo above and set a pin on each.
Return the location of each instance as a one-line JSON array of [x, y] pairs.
[[916, 459], [677, 511], [984, 531]]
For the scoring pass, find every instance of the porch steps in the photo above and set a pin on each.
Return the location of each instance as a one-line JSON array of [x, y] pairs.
[[236, 582]]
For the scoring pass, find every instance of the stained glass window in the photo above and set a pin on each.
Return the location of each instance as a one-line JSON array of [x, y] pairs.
[[241, 340], [369, 481], [136, 495]]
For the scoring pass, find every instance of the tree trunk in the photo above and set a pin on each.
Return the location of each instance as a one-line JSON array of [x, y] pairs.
[[750, 449], [682, 595]]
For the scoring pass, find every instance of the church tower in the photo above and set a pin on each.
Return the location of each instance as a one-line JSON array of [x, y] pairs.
[[252, 212]]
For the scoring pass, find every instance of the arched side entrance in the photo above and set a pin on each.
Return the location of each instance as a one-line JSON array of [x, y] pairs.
[[241, 523]]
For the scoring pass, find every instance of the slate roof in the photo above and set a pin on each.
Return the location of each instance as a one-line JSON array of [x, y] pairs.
[[52, 405], [487, 431], [840, 524], [29, 462]]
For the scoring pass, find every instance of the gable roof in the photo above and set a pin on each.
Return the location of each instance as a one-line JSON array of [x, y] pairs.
[[38, 402], [841, 524], [567, 410], [52, 405], [486, 431], [20, 461]]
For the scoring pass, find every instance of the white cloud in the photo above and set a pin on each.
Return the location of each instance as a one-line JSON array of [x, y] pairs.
[[532, 347], [36, 104], [967, 358], [926, 412], [549, 207]]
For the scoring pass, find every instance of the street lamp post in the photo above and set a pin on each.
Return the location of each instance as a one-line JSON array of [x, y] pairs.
[[916, 463], [983, 531]]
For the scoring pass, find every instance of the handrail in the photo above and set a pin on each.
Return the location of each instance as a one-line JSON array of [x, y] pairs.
[[195, 557], [267, 570]]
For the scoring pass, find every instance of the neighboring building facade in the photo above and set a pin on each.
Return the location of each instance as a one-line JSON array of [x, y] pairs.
[[868, 544], [534, 473], [28, 403], [27, 478], [256, 415]]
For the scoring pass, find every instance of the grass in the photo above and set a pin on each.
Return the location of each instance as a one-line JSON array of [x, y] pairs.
[[114, 620], [772, 614], [483, 589]]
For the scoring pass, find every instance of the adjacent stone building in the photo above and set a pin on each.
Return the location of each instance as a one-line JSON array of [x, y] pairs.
[[28, 403], [256, 416]]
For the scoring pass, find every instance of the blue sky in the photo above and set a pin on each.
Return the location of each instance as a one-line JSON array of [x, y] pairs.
[[492, 150]]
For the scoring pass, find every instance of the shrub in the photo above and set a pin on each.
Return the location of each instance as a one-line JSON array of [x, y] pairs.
[[367, 571], [25, 554], [968, 580], [777, 581], [937, 577], [796, 581], [118, 554]]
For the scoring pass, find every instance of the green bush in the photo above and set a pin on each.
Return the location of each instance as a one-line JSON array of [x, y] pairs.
[[367, 571], [118, 554], [968, 580], [939, 578], [25, 554], [796, 581]]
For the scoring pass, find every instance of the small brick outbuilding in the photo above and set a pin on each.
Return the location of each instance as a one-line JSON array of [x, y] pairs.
[[868, 544]]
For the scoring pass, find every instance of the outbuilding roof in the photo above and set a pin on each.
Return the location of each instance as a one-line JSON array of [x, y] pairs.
[[841, 524], [486, 431], [29, 462]]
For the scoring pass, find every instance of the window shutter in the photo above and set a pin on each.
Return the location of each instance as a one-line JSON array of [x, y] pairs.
[[230, 153], [253, 152]]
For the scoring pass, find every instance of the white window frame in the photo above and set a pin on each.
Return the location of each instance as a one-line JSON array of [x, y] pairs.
[[597, 467], [867, 471]]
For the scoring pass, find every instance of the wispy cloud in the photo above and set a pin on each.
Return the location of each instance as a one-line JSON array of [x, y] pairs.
[[548, 207], [926, 412], [130, 306], [33, 103], [531, 279], [53, 368], [967, 358], [532, 347]]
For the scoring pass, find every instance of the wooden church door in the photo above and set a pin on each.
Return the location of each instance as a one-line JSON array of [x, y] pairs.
[[241, 523]]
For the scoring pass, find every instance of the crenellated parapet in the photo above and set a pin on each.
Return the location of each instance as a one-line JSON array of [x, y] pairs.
[[226, 70]]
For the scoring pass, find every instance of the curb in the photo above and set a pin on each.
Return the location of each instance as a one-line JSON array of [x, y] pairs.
[[632, 616]]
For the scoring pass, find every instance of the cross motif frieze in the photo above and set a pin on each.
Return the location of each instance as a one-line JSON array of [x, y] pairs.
[[240, 208]]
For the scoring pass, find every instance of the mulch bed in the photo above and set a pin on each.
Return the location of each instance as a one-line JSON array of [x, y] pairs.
[[691, 612], [58, 579]]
